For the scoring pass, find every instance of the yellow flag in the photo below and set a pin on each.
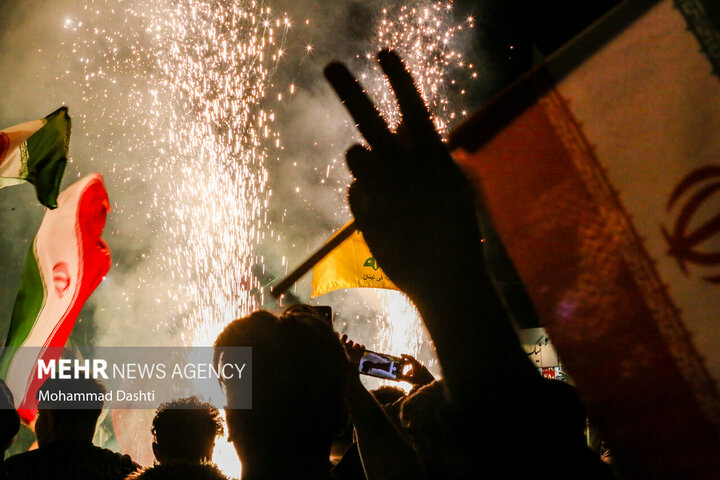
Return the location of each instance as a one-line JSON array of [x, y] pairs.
[[349, 265]]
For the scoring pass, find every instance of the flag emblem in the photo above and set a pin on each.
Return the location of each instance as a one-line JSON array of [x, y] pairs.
[[372, 263], [686, 244]]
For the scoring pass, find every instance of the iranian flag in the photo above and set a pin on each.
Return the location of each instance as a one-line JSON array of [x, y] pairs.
[[601, 172], [36, 152], [65, 263]]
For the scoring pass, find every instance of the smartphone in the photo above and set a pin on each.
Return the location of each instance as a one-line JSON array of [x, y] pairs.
[[382, 365], [325, 312]]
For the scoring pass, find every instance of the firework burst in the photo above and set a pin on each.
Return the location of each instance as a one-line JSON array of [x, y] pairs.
[[193, 131]]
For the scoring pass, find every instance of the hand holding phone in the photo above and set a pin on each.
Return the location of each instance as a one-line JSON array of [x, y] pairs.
[[415, 372], [382, 365], [353, 350]]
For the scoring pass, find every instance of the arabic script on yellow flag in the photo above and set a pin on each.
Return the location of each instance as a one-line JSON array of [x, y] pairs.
[[350, 265]]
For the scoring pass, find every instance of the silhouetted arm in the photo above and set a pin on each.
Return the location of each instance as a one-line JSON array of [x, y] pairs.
[[384, 451]]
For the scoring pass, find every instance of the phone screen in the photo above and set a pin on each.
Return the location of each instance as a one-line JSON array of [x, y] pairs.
[[381, 365]]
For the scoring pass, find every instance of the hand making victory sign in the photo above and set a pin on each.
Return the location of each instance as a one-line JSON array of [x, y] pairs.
[[409, 198]]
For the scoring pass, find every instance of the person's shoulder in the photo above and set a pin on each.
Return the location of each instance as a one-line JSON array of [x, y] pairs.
[[23, 458], [205, 471], [105, 455], [28, 464], [70, 459]]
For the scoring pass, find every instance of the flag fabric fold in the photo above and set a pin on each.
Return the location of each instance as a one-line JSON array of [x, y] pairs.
[[600, 172], [65, 263], [36, 152], [349, 265]]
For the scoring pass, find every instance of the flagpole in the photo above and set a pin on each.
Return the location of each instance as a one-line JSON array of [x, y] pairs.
[[313, 260]]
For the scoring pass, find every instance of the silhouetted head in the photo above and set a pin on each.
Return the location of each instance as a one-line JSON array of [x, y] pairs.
[[569, 415], [68, 409], [185, 431], [391, 399], [298, 380], [9, 418], [423, 415], [387, 394]]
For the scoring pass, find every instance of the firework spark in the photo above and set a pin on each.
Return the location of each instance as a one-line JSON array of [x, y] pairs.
[[221, 56], [423, 34]]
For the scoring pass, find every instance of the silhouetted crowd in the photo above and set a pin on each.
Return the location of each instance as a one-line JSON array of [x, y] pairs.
[[492, 415]]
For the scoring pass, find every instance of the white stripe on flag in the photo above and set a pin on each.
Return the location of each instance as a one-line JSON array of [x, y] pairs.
[[18, 134]]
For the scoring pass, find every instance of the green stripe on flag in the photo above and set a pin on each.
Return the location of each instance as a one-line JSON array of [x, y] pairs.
[[703, 18], [28, 304], [47, 152]]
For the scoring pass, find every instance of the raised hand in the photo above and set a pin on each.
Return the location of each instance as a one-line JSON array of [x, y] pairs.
[[419, 374], [409, 198], [353, 350]]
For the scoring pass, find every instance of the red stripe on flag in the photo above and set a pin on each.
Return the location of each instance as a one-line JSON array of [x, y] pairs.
[[94, 253], [4, 145]]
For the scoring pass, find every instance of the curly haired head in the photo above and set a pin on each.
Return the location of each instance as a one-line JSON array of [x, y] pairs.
[[185, 430]]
